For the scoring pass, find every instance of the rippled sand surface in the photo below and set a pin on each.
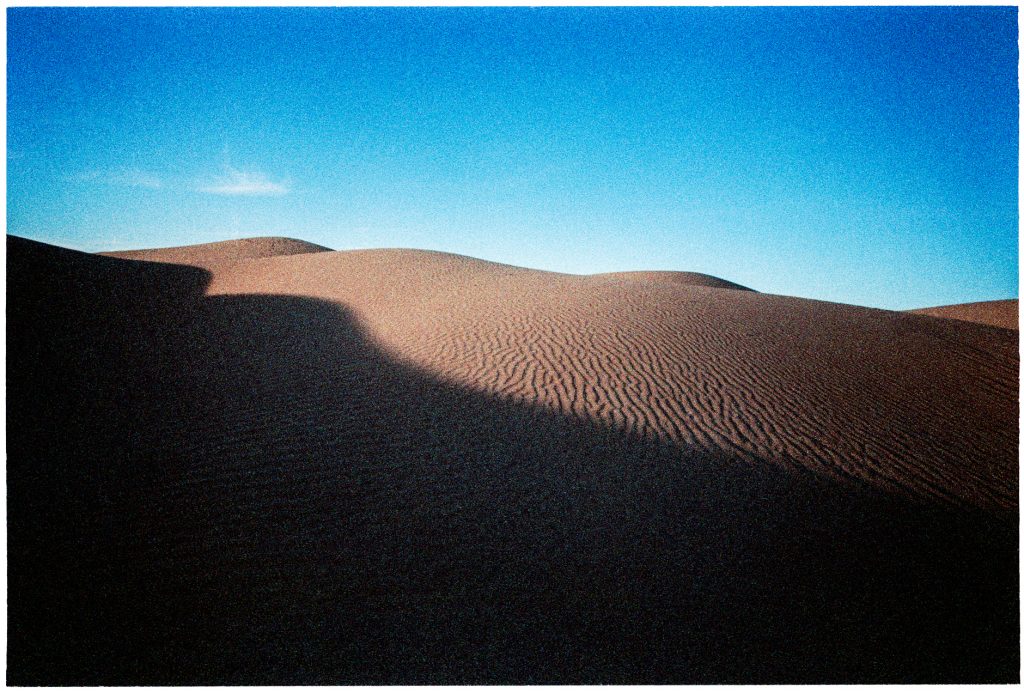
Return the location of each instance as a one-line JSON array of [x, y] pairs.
[[264, 462]]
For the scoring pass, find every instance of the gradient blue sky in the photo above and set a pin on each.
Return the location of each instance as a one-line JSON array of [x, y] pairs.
[[860, 155]]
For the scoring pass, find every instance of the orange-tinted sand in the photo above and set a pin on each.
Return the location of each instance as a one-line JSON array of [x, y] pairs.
[[996, 313], [261, 462]]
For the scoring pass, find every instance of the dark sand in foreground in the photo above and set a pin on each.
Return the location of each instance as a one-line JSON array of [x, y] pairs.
[[262, 462]]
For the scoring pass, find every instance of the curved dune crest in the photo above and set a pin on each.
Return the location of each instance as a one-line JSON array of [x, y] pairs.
[[669, 277], [222, 251], [408, 467], [257, 248], [996, 313]]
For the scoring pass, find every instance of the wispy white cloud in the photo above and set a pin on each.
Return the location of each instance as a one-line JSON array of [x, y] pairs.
[[141, 179], [251, 183], [232, 181], [127, 177]]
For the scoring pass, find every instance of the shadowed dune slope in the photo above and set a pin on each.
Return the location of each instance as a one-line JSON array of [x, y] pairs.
[[995, 313], [684, 278], [223, 251], [409, 467]]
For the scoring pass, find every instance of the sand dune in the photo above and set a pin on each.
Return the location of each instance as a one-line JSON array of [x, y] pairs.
[[759, 376], [222, 251], [398, 466], [995, 313], [684, 278]]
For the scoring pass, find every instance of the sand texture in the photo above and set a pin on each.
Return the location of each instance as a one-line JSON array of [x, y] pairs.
[[257, 462], [996, 313]]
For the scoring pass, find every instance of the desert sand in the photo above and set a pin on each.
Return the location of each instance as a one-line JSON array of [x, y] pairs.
[[997, 313], [262, 462]]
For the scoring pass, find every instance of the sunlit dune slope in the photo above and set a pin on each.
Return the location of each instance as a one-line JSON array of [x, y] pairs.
[[995, 313], [886, 398], [410, 467]]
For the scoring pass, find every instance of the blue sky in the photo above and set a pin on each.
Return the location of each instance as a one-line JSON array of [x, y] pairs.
[[860, 155]]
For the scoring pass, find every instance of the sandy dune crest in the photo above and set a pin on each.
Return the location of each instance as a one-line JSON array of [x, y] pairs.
[[399, 466], [995, 313], [223, 251], [684, 278]]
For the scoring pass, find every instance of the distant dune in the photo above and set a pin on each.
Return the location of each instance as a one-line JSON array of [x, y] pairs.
[[684, 278], [255, 462], [995, 313], [223, 251]]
